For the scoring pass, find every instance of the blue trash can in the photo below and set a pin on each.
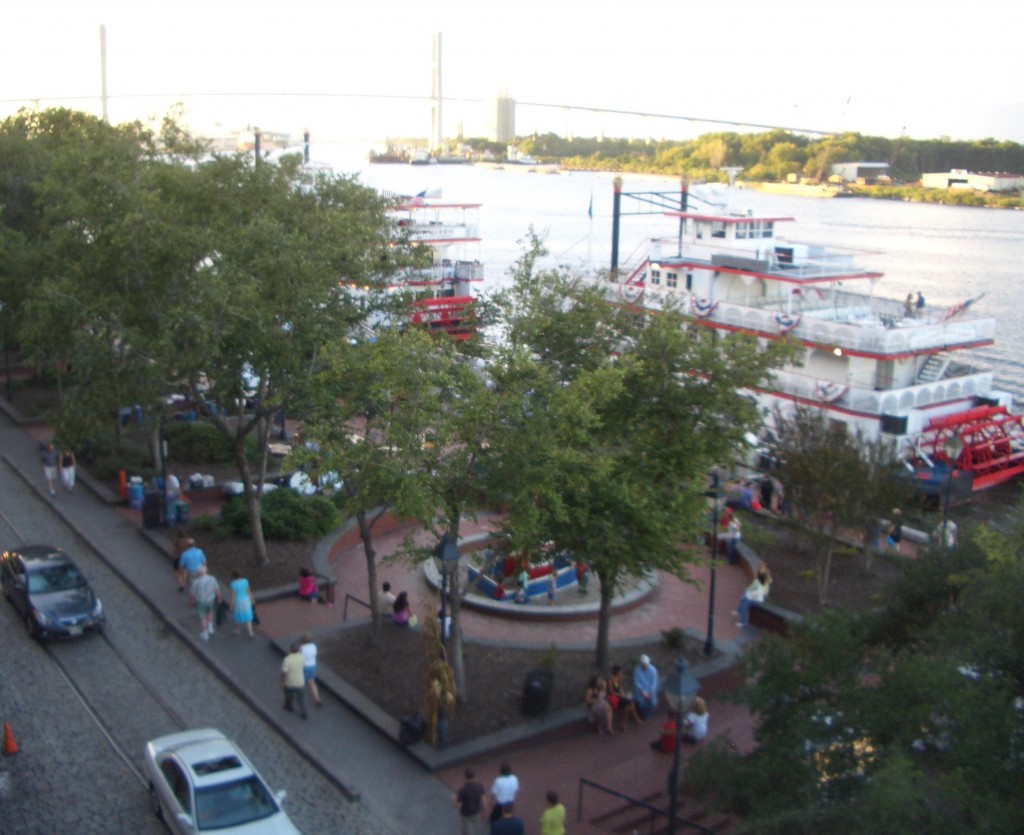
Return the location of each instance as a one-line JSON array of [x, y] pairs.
[[136, 491]]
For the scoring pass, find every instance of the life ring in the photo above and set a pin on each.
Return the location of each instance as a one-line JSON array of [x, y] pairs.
[[631, 292]]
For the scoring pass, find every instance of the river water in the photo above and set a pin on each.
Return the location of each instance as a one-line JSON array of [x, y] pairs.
[[949, 253]]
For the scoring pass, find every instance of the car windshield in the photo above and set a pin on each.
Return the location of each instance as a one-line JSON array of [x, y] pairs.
[[232, 804], [55, 578]]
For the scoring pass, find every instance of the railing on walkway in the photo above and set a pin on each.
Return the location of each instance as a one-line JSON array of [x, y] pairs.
[[656, 813], [348, 597]]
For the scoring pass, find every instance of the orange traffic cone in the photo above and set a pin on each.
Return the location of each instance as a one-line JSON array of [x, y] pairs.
[[10, 746]]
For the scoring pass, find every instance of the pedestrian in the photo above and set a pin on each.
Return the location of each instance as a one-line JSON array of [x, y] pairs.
[[582, 576], [695, 725], [179, 542], [503, 791], [645, 687], [293, 679], [241, 602], [307, 586], [666, 741], [508, 823], [756, 592], [206, 594], [945, 533], [552, 821], [51, 458], [67, 469], [920, 303], [733, 535], [401, 614], [622, 703], [552, 586], [908, 306], [469, 800], [894, 535], [600, 713], [189, 563], [308, 650], [387, 600]]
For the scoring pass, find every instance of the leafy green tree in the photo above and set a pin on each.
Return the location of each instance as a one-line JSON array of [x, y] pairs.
[[903, 719], [607, 431], [836, 481]]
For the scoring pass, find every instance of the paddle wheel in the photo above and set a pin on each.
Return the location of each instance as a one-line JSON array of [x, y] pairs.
[[447, 313], [993, 444]]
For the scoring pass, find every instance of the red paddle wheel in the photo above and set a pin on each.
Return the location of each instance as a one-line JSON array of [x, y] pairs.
[[447, 313], [993, 443]]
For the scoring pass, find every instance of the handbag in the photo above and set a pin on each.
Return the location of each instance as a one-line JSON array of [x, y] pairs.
[[255, 617], [613, 700]]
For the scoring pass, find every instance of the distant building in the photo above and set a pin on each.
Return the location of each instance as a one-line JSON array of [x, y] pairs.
[[974, 180], [861, 172], [500, 119]]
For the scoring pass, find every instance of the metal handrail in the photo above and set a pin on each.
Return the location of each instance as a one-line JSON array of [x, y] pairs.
[[344, 613], [656, 812]]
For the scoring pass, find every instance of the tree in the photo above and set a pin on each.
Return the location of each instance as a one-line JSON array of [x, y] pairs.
[[262, 295], [607, 432], [903, 719], [364, 420], [835, 481]]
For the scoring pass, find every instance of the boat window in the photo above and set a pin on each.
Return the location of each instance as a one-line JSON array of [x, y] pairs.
[[672, 280], [689, 281], [655, 276]]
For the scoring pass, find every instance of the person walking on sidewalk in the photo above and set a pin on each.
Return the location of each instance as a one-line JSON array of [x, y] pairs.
[[206, 593], [552, 822], [293, 680], [67, 469], [503, 791], [51, 458], [241, 602], [469, 800], [308, 650], [508, 823], [189, 563]]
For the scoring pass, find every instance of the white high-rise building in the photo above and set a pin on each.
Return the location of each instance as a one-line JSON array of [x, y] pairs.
[[500, 119]]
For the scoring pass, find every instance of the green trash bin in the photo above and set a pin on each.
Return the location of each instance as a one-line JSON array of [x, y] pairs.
[[182, 510]]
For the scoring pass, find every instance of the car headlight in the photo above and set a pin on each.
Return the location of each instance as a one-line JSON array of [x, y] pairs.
[[41, 618]]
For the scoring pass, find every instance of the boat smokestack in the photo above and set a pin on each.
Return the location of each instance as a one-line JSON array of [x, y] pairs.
[[257, 137], [616, 212], [305, 146]]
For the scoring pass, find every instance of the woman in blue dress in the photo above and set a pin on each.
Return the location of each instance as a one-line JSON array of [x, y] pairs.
[[241, 602]]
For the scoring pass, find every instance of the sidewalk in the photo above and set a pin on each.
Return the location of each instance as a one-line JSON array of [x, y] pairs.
[[363, 762]]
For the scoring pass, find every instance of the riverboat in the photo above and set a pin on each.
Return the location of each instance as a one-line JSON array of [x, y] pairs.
[[449, 236], [886, 367]]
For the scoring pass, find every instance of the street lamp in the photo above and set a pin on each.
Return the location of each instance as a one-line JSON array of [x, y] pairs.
[[709, 643], [680, 689], [953, 446], [446, 559]]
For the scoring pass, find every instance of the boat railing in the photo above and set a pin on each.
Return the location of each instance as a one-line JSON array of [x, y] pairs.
[[771, 257], [863, 398], [846, 320]]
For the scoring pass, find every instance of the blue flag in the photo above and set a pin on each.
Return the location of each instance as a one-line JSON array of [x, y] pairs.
[[590, 209]]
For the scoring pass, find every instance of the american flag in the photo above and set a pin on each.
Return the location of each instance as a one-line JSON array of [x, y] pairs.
[[957, 309]]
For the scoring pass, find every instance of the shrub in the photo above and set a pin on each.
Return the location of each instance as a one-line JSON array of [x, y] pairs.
[[198, 442], [285, 515], [107, 455], [674, 638]]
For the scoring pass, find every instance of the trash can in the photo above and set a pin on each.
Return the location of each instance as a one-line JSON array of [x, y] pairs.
[[170, 513], [135, 493], [182, 508], [152, 510], [537, 692]]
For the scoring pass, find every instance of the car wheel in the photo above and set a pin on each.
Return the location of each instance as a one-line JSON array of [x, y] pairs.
[[154, 802]]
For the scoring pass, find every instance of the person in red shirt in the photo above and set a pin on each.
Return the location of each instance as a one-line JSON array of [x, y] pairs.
[[666, 743]]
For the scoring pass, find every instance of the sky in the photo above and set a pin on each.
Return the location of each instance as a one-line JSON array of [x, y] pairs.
[[358, 70]]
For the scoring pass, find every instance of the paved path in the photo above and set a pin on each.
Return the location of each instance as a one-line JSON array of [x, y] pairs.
[[361, 761]]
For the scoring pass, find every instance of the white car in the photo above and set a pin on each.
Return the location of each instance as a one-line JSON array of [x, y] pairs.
[[200, 781]]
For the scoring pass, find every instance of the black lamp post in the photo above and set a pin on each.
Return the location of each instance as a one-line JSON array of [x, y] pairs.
[[680, 689], [709, 643], [953, 446], [446, 558]]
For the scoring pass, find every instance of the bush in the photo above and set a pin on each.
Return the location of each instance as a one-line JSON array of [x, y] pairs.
[[198, 442], [285, 515], [107, 455]]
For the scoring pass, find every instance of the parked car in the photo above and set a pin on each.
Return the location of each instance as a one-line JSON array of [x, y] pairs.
[[200, 781], [50, 592]]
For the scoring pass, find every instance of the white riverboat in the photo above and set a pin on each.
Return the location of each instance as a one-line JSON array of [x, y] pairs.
[[888, 367]]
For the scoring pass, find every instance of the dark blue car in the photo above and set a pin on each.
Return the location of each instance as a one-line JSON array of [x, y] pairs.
[[51, 594]]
